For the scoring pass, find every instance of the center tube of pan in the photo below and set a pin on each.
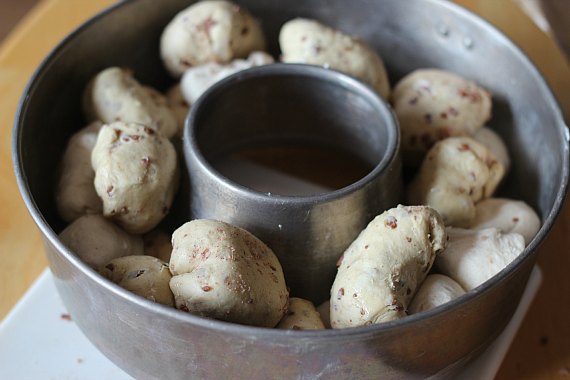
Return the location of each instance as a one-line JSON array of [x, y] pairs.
[[301, 157]]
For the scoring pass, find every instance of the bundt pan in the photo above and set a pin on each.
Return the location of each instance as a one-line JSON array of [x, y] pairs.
[[151, 341]]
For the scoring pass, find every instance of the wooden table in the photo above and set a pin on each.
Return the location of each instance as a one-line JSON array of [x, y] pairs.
[[541, 349]]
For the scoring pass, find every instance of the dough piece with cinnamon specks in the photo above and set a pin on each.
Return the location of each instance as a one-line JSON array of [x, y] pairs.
[[223, 272], [136, 175], [311, 42], [209, 31], [382, 269], [434, 104], [146, 276], [115, 95], [75, 193], [301, 315], [456, 173]]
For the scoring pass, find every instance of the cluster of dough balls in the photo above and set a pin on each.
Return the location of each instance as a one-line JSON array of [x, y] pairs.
[[119, 176], [211, 269], [117, 181], [123, 164], [458, 165], [211, 40], [407, 261]]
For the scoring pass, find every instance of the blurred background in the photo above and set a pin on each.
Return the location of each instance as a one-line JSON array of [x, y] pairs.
[[11, 11], [552, 17]]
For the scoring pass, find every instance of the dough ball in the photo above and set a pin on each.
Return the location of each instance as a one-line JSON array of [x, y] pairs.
[[115, 95], [474, 256], [196, 80], [146, 276], [507, 215], [209, 31], [221, 271], [436, 290], [301, 315], [136, 175], [75, 193], [97, 240], [435, 104], [456, 173], [308, 41], [492, 141]]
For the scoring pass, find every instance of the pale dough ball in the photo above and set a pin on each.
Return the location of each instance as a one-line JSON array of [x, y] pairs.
[[507, 215], [96, 240], [196, 80], [310, 42], [75, 193], [436, 290], [474, 256], [146, 276], [115, 95], [382, 269], [136, 175], [456, 173], [492, 141], [435, 104], [221, 271], [301, 315], [209, 31]]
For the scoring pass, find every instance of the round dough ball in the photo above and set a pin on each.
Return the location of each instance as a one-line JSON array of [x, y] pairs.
[[301, 315], [492, 141], [115, 95], [75, 192], [435, 104], [308, 41], [474, 256], [508, 216], [97, 240], [436, 290], [209, 31], [196, 80], [221, 271], [136, 175], [456, 173], [146, 276]]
